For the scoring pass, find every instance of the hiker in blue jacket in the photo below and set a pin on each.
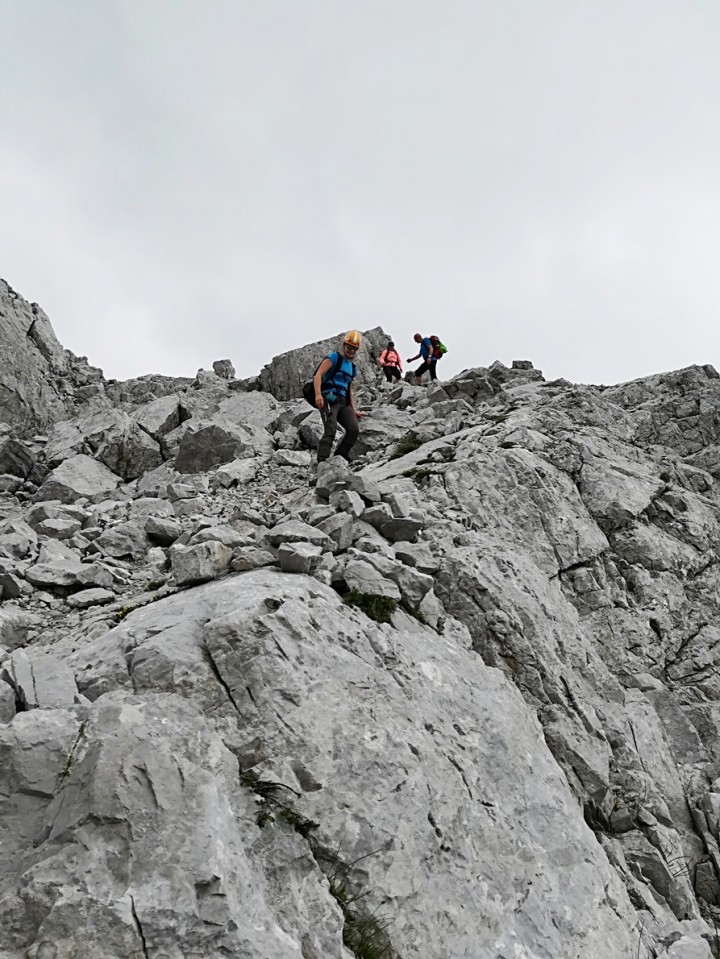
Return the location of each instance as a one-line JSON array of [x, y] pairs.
[[429, 358], [334, 398]]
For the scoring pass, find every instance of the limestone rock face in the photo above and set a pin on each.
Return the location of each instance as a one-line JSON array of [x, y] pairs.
[[32, 362], [40, 382], [461, 693]]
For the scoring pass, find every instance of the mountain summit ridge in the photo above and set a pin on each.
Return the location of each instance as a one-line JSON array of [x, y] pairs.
[[459, 699]]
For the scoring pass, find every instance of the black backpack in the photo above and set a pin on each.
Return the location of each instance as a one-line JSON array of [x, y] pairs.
[[308, 391]]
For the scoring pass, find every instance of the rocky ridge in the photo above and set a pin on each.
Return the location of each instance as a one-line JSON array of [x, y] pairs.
[[459, 699]]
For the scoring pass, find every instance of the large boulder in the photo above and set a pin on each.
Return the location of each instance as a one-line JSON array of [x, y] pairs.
[[286, 374], [78, 476], [210, 445], [113, 437], [15, 458]]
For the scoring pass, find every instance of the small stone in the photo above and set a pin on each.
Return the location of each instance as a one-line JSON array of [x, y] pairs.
[[295, 531], [401, 528], [162, 530], [197, 564], [299, 557], [298, 458], [90, 597], [251, 557], [224, 369], [365, 579], [347, 502], [7, 702]]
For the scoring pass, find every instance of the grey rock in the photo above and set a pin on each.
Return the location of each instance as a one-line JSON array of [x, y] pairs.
[[9, 484], [91, 597], [347, 502], [162, 530], [196, 564], [222, 534], [246, 558], [295, 531], [179, 491], [54, 574], [11, 585], [17, 538], [365, 578], [32, 364], [402, 528], [253, 411], [58, 528], [224, 369], [286, 374], [298, 458], [377, 515], [400, 504], [15, 458], [125, 539], [417, 555], [332, 475], [431, 609], [145, 506], [299, 557], [76, 477], [40, 681], [114, 438], [366, 488], [339, 528], [209, 445], [95, 574], [14, 626], [236, 473], [36, 515], [413, 584], [7, 702], [158, 417]]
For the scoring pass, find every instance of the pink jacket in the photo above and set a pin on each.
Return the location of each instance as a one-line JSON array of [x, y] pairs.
[[394, 359]]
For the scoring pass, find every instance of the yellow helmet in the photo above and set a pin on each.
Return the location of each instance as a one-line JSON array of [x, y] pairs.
[[353, 338]]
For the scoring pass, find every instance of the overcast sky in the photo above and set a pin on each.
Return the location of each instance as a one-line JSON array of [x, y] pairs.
[[185, 180]]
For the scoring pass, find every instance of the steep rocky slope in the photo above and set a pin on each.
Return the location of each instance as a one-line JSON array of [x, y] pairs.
[[460, 699]]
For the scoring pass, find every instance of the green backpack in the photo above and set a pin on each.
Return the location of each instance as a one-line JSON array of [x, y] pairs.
[[438, 349]]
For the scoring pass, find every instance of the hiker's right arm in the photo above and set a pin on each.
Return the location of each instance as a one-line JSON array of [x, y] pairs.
[[317, 381]]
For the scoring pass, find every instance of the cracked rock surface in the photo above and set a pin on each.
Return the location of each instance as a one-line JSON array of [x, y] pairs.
[[464, 690]]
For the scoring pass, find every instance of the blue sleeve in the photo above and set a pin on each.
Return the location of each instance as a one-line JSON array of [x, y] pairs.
[[425, 348]]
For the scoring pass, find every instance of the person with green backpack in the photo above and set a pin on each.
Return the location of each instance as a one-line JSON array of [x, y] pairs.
[[431, 350]]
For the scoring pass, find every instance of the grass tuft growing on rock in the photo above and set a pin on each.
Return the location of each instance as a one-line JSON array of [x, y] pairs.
[[379, 608], [412, 611], [268, 802], [364, 932], [408, 445], [365, 935]]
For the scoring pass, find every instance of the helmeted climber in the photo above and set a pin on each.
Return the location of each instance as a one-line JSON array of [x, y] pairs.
[[334, 397]]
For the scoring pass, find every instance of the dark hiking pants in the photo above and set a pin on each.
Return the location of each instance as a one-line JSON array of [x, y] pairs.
[[343, 414], [427, 365], [391, 373]]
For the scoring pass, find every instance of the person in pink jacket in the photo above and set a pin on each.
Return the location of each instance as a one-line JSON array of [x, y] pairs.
[[391, 363]]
